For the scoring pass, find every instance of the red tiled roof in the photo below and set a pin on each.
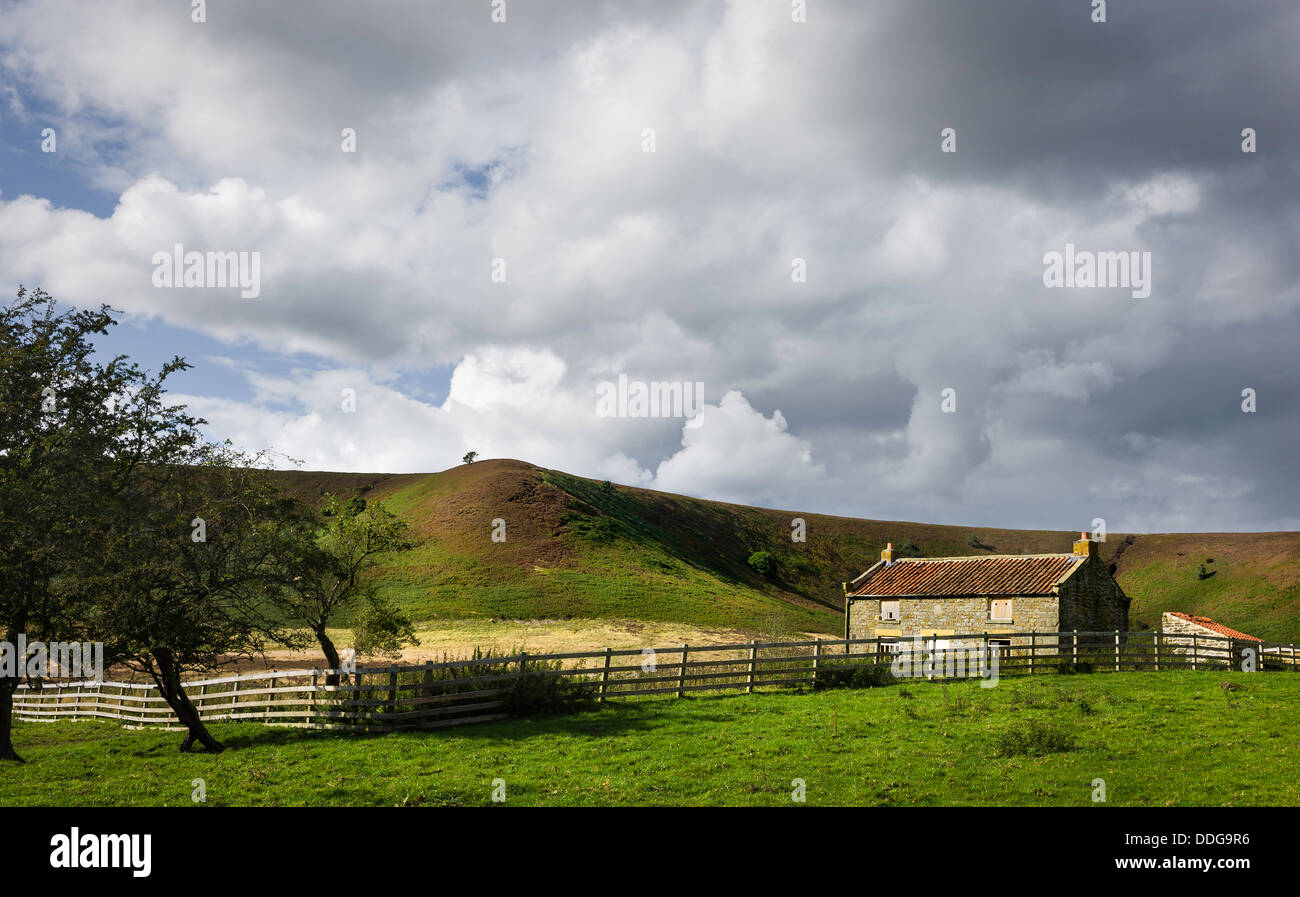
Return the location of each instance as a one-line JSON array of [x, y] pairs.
[[1207, 623], [1031, 574]]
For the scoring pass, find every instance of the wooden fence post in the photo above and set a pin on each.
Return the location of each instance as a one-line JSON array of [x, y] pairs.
[[357, 676], [817, 660], [1033, 649], [681, 678], [267, 699], [753, 658], [604, 678], [311, 698], [392, 693], [1117, 650], [1193, 653], [198, 706], [1074, 639], [234, 700], [1155, 641]]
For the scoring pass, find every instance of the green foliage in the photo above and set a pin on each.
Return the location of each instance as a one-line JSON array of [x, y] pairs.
[[383, 630], [325, 575], [540, 691], [356, 504], [763, 563], [835, 673], [908, 550], [78, 433], [1037, 738], [592, 528], [469, 457]]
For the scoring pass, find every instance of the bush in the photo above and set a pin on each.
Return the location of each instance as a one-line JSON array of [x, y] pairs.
[[840, 675], [539, 691], [763, 563], [1037, 739]]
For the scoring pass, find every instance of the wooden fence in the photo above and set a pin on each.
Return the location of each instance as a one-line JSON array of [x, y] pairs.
[[467, 691]]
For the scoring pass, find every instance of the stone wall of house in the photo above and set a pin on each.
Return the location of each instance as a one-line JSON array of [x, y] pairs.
[[1091, 600], [943, 617]]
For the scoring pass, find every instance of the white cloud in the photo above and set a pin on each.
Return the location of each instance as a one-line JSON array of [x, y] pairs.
[[775, 141], [736, 454]]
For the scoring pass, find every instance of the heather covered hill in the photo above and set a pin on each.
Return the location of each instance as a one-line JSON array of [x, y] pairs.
[[579, 548]]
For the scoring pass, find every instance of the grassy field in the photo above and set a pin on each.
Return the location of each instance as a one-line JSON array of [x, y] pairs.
[[456, 640], [577, 549], [1173, 738]]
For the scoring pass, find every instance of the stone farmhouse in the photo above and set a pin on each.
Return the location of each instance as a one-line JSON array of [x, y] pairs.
[[997, 597]]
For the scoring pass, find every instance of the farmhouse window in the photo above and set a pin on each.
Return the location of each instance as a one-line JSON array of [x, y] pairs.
[[889, 610], [1000, 609], [890, 647]]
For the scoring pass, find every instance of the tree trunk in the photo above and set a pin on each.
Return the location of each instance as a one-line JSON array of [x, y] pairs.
[[7, 751], [331, 654], [173, 692]]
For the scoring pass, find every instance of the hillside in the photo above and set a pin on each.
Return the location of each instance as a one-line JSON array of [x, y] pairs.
[[575, 548]]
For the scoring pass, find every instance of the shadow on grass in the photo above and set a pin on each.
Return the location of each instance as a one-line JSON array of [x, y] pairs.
[[611, 719]]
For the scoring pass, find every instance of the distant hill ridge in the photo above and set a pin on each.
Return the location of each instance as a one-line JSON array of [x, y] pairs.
[[578, 548]]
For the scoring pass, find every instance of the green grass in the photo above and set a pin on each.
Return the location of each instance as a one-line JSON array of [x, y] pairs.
[[1155, 738]]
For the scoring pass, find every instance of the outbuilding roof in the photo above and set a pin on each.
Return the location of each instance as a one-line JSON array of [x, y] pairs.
[[1207, 623]]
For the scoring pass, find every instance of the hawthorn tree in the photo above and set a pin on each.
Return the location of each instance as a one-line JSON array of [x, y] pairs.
[[74, 430], [190, 580], [328, 578]]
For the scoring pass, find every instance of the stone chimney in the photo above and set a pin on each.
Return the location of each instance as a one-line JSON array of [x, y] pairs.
[[888, 554], [1085, 547]]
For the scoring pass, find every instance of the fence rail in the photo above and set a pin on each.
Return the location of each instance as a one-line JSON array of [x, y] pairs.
[[453, 693]]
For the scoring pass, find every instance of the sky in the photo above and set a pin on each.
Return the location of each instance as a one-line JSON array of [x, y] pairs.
[[836, 217]]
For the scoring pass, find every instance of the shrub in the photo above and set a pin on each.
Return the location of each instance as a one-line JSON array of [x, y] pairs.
[[1037, 739], [356, 504], [865, 675], [763, 563], [540, 691]]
